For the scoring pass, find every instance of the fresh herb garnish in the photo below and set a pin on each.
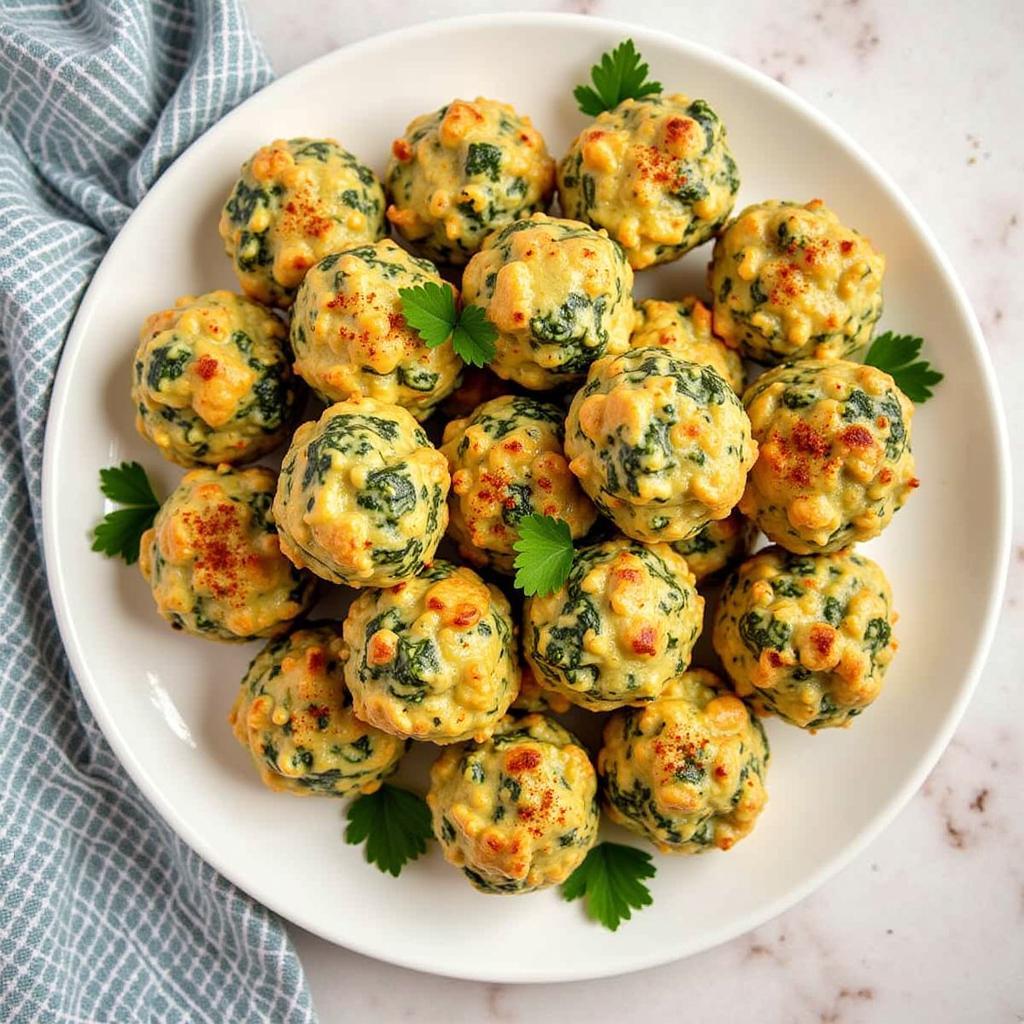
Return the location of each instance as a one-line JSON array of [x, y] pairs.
[[611, 882], [895, 353], [121, 530], [620, 75], [430, 310], [395, 825], [544, 554]]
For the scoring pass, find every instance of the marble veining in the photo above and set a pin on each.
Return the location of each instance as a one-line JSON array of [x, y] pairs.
[[928, 923]]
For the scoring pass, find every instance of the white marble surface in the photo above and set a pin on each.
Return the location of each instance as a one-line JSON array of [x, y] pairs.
[[928, 924]]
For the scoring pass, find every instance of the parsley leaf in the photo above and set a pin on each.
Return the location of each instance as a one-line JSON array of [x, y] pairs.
[[619, 76], [395, 825], [120, 531], [895, 353], [430, 310], [544, 556], [610, 880]]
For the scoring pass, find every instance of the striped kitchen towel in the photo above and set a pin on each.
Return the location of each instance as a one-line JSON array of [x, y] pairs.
[[105, 915]]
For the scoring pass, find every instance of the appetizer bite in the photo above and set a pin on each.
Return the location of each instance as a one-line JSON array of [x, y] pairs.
[[296, 201], [808, 637], [718, 546], [433, 658], [655, 172], [683, 330], [621, 627], [661, 445], [506, 462], [213, 561], [294, 715], [519, 811], [462, 171], [559, 294], [791, 281], [361, 497], [211, 381], [687, 772], [834, 461], [350, 337]]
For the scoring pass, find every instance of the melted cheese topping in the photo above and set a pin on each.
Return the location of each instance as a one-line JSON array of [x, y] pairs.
[[683, 329], [619, 629], [350, 337], [294, 715], [213, 560], [518, 812], [559, 294], [792, 281], [297, 200], [211, 381], [460, 172], [688, 770], [808, 637], [662, 446], [717, 546], [433, 658], [656, 173], [361, 497], [834, 461], [506, 462]]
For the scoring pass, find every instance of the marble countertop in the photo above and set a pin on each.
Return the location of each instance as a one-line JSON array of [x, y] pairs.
[[928, 923]]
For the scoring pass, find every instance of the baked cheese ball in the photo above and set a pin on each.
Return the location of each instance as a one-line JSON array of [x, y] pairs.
[[808, 637], [294, 715], [683, 329], [687, 772], [350, 337], [213, 561], [462, 171], [296, 201], [559, 294], [661, 445], [506, 462], [717, 546], [834, 461], [655, 172], [791, 281], [361, 497], [433, 657], [619, 629], [519, 811], [211, 381]]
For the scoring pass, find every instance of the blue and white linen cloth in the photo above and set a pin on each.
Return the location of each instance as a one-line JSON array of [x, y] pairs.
[[105, 915]]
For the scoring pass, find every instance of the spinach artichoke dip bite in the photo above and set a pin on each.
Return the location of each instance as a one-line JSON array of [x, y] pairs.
[[434, 657], [717, 546], [294, 715], [834, 461], [791, 281], [296, 201], [656, 172], [213, 561], [683, 329], [506, 462], [687, 771], [462, 171], [350, 337], [559, 294], [808, 637], [519, 811], [361, 496], [211, 381], [619, 629], [661, 445]]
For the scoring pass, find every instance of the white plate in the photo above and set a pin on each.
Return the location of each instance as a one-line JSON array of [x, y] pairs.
[[162, 699]]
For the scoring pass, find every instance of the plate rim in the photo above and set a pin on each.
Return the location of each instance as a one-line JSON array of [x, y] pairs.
[[885, 814]]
